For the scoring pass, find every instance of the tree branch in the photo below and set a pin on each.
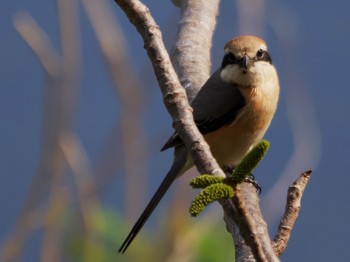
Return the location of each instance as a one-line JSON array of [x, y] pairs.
[[190, 54], [295, 193], [252, 240], [174, 95]]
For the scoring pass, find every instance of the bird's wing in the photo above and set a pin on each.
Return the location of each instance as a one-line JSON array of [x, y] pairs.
[[217, 104]]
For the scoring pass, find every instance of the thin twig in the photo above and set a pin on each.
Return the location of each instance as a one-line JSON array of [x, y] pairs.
[[295, 193]]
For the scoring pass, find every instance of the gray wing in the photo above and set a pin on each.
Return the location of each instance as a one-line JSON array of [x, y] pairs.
[[217, 104]]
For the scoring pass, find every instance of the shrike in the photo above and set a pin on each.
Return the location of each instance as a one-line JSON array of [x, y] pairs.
[[232, 110]]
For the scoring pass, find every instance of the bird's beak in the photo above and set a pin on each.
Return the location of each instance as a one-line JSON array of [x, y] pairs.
[[245, 62]]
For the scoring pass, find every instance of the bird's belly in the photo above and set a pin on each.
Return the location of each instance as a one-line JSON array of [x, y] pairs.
[[231, 143]]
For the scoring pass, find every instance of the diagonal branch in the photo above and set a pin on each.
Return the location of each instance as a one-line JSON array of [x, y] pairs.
[[174, 95]]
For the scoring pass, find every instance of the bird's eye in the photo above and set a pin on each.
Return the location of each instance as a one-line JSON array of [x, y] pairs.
[[260, 54], [229, 58], [263, 55]]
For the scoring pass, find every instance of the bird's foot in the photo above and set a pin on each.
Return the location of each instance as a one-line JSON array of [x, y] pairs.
[[251, 179], [228, 170]]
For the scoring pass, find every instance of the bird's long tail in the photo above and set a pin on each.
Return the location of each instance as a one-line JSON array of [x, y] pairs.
[[175, 170]]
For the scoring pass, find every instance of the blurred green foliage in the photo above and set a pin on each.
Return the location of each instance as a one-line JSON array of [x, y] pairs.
[[209, 241]]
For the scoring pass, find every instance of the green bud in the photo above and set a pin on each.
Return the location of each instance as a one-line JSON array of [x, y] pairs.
[[208, 195]]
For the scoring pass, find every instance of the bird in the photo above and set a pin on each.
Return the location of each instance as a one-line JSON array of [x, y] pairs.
[[232, 110]]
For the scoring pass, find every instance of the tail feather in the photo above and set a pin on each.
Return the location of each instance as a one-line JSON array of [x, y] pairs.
[[164, 186]]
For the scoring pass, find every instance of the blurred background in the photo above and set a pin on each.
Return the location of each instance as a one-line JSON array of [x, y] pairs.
[[83, 121]]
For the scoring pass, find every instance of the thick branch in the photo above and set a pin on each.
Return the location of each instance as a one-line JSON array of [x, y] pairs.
[[251, 223], [253, 228], [191, 51], [174, 95], [295, 193]]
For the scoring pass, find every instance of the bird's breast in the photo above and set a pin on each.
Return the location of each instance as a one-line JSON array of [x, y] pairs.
[[231, 143]]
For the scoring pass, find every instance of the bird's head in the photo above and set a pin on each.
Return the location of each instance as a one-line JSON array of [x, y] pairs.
[[246, 62]]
